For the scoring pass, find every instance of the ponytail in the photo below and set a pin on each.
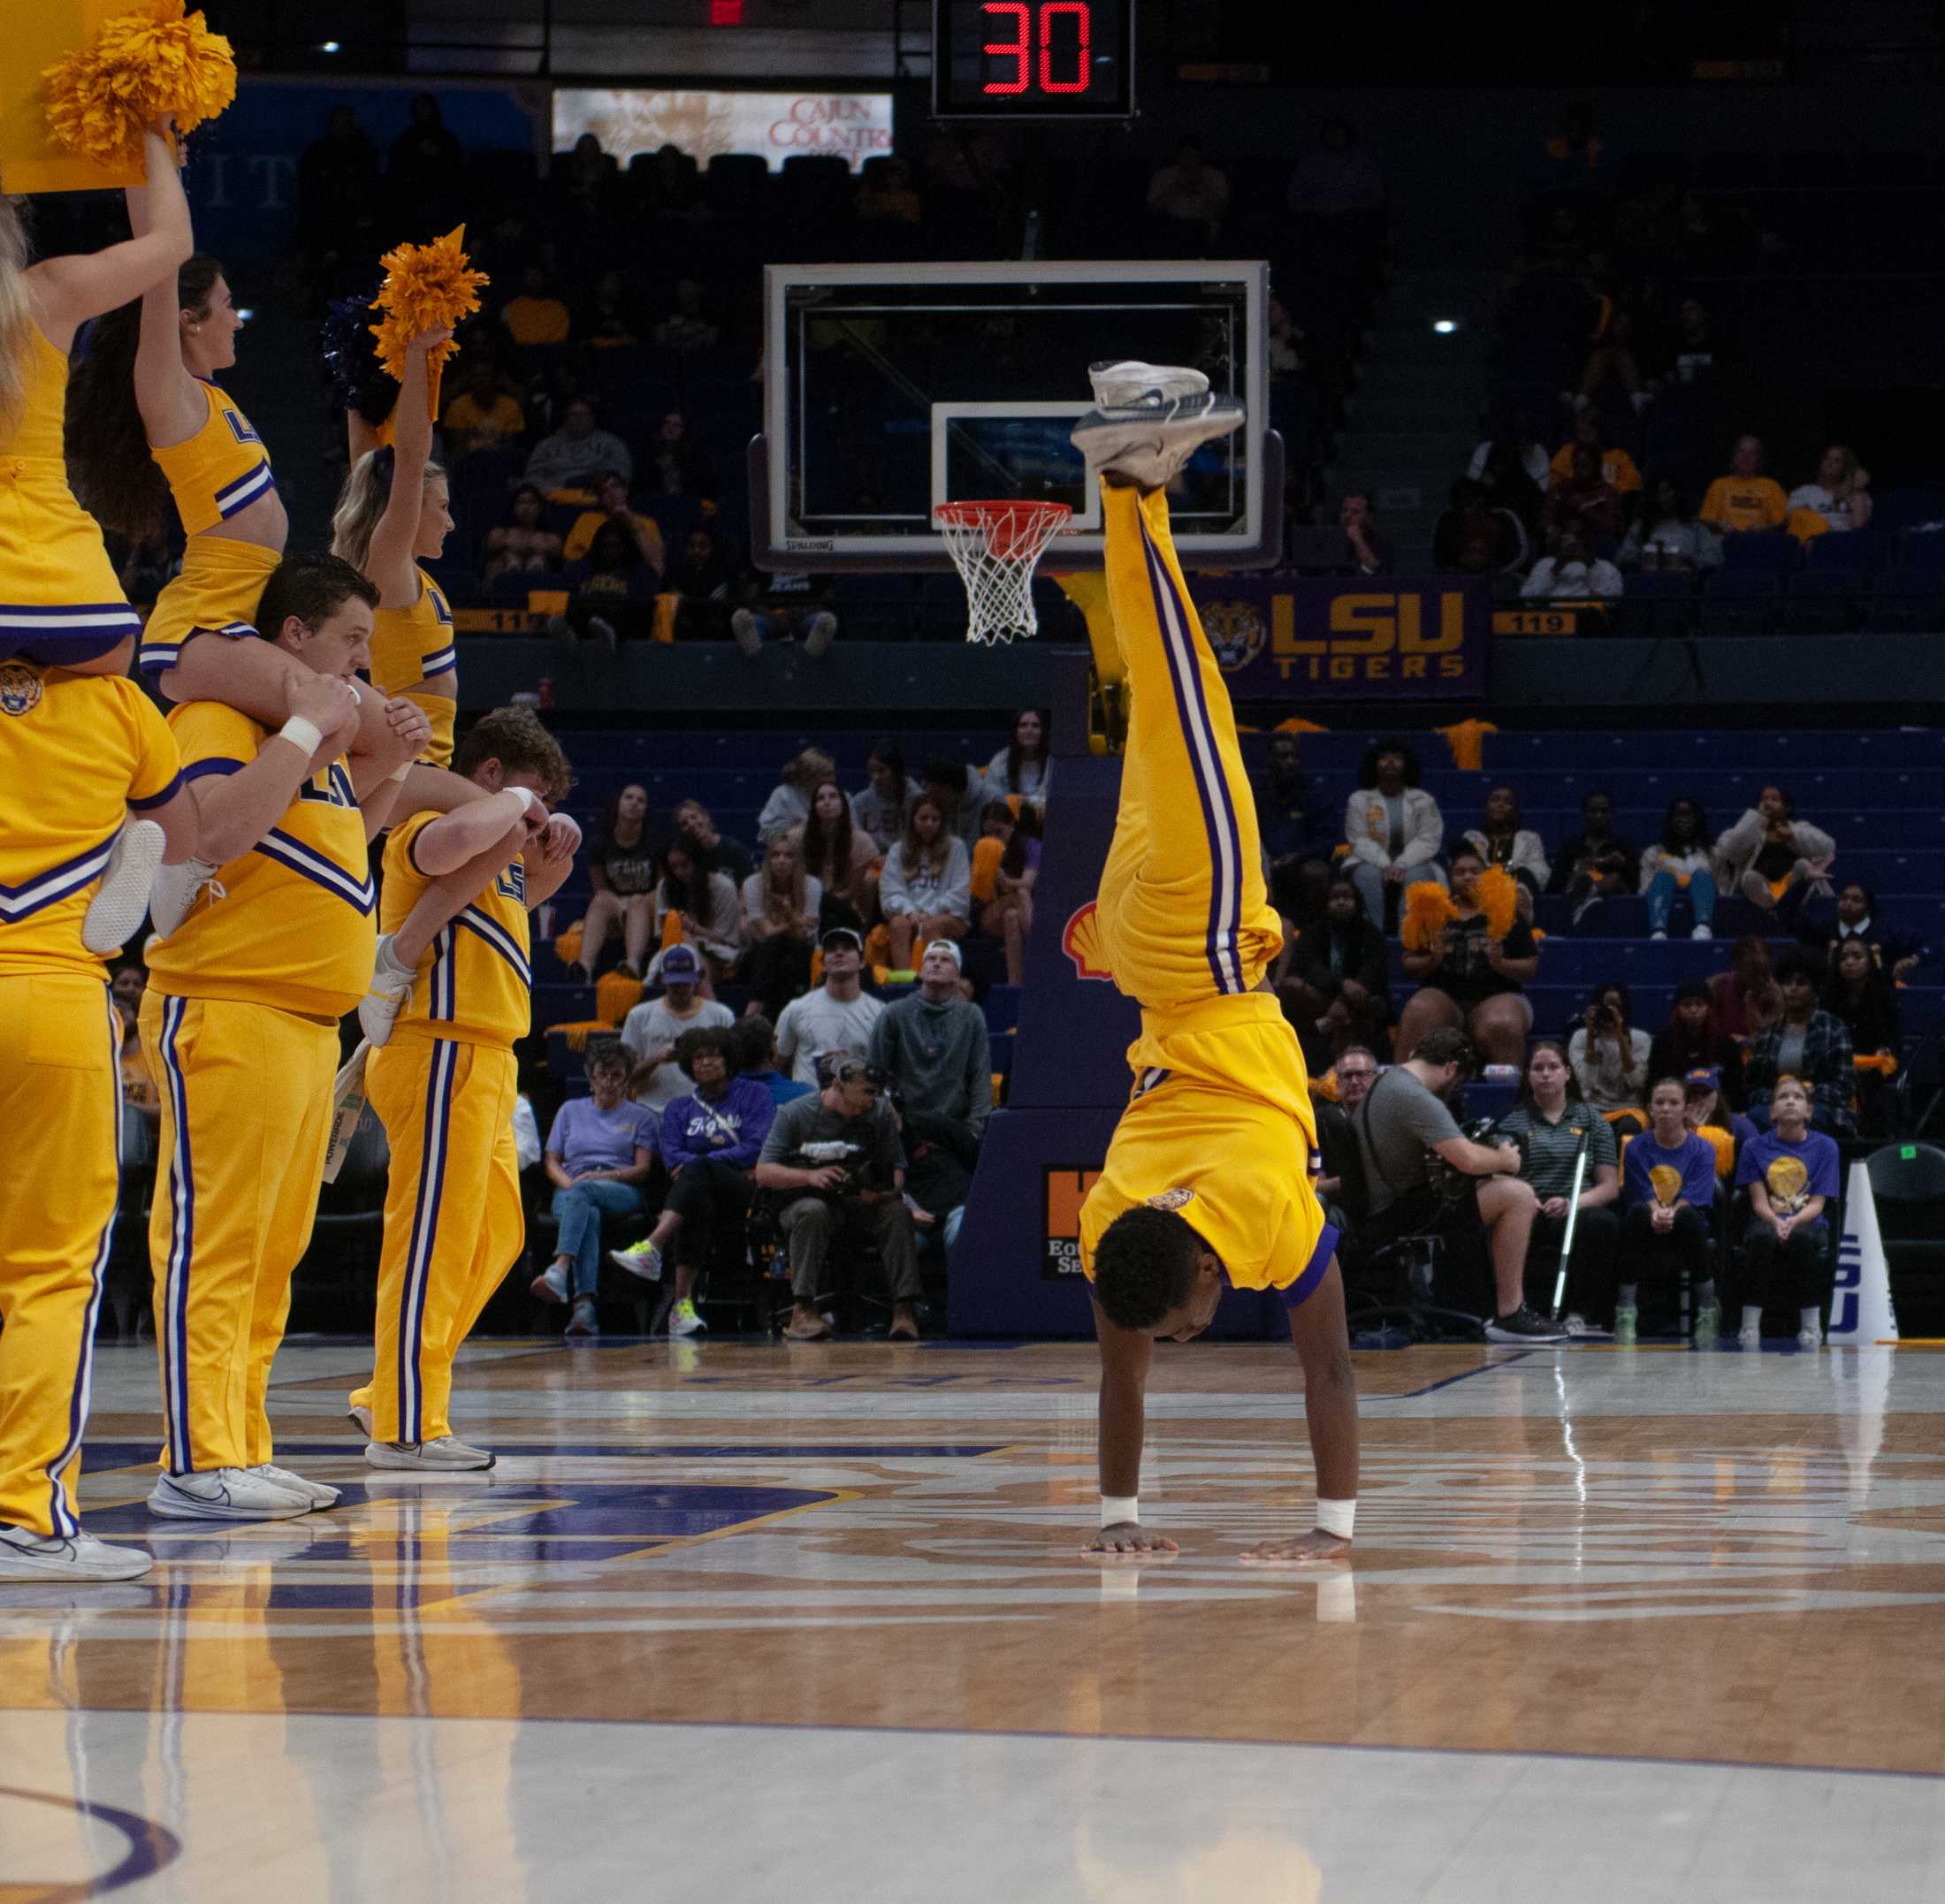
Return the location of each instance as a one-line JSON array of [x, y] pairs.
[[361, 503], [16, 315]]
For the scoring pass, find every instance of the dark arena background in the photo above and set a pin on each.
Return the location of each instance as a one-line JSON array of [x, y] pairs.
[[1581, 551]]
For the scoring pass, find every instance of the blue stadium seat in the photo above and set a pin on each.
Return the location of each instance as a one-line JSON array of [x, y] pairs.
[[1907, 599], [1740, 602], [1765, 552], [1865, 549], [1922, 549], [1823, 601], [1658, 604]]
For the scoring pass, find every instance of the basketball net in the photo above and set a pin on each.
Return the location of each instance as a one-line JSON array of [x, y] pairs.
[[994, 546]]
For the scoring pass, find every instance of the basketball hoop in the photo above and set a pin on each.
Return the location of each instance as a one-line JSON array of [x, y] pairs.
[[994, 546]]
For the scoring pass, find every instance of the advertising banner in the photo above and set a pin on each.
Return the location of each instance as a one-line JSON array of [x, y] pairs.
[[774, 127]]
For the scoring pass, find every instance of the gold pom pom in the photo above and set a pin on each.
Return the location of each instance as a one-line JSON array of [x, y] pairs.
[[1428, 911], [426, 286], [158, 60], [1498, 900]]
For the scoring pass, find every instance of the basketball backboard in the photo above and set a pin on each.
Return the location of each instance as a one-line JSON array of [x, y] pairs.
[[889, 389]]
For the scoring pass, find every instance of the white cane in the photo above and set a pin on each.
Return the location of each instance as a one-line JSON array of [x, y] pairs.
[[1573, 1217]]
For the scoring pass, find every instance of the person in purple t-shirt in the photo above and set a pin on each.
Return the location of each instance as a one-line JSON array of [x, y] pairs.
[[1667, 1186], [597, 1157], [1790, 1172]]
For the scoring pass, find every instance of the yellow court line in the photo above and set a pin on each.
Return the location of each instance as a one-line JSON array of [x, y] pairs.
[[836, 1495]]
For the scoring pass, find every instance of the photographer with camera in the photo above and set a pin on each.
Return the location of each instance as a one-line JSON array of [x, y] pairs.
[[1609, 1059], [834, 1162], [1422, 1173]]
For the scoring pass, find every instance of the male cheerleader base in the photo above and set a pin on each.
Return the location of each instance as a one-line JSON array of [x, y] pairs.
[[1206, 1181]]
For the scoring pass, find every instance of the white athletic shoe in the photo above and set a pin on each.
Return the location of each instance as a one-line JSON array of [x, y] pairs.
[[551, 1285], [1702, 932], [318, 1493], [1146, 443], [1128, 380], [391, 987], [1749, 1335], [225, 1493], [447, 1455], [122, 898], [1810, 1339], [683, 1321], [66, 1557], [360, 1418], [641, 1259], [176, 889]]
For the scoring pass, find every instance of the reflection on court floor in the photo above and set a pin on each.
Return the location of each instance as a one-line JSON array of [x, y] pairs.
[[768, 1625]]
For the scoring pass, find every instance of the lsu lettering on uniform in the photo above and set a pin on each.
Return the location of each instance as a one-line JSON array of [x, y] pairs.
[[444, 1088], [214, 476], [74, 751], [60, 600], [239, 1024], [1219, 1126], [413, 655]]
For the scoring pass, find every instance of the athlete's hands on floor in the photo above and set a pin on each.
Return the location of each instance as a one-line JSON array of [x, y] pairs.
[[562, 836], [1313, 1549], [1130, 1537]]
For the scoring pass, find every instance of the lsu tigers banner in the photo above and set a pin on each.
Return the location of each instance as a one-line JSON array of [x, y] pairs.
[[1284, 637]]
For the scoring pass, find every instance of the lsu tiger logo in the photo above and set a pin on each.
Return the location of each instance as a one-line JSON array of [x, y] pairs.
[[1787, 1182], [20, 689], [1235, 631]]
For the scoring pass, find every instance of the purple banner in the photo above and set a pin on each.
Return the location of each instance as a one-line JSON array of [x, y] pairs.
[[1285, 637]]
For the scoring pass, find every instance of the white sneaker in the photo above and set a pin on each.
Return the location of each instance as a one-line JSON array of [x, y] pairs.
[[1147, 442], [551, 1285], [1657, 933], [1128, 380], [749, 638], [122, 898], [391, 987], [1751, 1336], [176, 889], [1702, 932], [819, 633], [641, 1259], [225, 1493], [360, 1418], [66, 1557], [447, 1455], [1810, 1339], [318, 1493], [683, 1321]]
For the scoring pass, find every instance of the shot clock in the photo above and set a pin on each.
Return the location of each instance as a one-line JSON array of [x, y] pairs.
[[1032, 59]]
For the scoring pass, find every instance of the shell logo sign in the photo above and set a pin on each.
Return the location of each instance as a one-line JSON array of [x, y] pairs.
[[1081, 942]]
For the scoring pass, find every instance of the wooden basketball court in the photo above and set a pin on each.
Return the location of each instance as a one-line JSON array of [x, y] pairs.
[[755, 1622]]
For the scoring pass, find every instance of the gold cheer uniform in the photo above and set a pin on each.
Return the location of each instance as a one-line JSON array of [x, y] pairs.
[[413, 654]]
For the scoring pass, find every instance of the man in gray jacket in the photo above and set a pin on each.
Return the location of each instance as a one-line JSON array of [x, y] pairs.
[[933, 1046]]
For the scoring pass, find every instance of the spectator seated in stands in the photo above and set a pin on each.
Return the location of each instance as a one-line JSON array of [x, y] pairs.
[[703, 583], [1680, 862], [843, 860], [725, 853], [1366, 551], [1745, 500], [621, 865], [1790, 1174], [1551, 1122], [960, 795], [1866, 1003], [1609, 1055], [610, 317], [1334, 979], [1501, 840], [1857, 916], [1709, 1117], [1292, 830], [1338, 191], [833, 1162], [782, 905], [1694, 1040], [1597, 863], [933, 1048], [689, 326], [704, 904], [485, 415], [752, 1054], [781, 607], [523, 544], [1586, 503], [1774, 860], [1567, 573], [612, 506], [1746, 997], [598, 1158], [925, 887], [879, 807], [1694, 358], [1611, 358], [1668, 538], [1283, 338], [1614, 463], [1470, 972], [139, 1094], [1342, 1177], [835, 1021], [1401, 1123], [1668, 1190], [565, 466], [710, 1139], [1806, 1043], [426, 167], [1517, 446], [1475, 536], [1393, 826], [536, 316], [1022, 767], [788, 804], [1839, 500], [1190, 197], [677, 465], [613, 575], [650, 1030], [1005, 870], [886, 194]]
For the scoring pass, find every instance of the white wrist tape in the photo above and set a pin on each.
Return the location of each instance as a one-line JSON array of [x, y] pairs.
[[304, 734], [528, 800], [403, 771], [1116, 1508], [1337, 1517]]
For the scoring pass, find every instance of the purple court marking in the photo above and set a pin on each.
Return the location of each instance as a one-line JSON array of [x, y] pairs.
[[150, 1845]]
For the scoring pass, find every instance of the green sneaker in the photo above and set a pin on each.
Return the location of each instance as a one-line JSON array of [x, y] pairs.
[[1625, 1321], [641, 1259], [1708, 1325]]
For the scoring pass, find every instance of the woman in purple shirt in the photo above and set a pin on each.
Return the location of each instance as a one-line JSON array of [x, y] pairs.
[[1668, 1186], [709, 1144]]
